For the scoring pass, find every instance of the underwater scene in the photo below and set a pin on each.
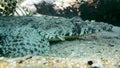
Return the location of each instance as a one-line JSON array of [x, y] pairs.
[[59, 34]]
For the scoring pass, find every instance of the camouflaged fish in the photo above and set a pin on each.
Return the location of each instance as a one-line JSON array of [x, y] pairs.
[[21, 36]]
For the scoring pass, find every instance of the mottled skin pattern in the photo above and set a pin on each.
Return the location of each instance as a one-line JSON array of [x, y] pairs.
[[7, 7], [21, 36]]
